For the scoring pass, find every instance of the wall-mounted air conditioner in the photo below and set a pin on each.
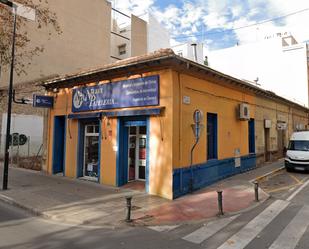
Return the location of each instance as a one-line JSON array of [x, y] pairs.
[[244, 113]]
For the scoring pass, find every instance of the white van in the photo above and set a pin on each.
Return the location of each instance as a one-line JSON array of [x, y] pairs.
[[297, 155]]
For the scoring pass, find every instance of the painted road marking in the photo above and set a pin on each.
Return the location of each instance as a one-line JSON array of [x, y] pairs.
[[283, 188], [166, 228], [242, 238], [205, 232], [295, 178], [290, 236], [297, 191]]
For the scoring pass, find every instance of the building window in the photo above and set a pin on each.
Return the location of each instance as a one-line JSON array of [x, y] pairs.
[[212, 137], [122, 49], [180, 54]]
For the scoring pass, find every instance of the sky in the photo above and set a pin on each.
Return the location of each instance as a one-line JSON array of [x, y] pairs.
[[224, 23]]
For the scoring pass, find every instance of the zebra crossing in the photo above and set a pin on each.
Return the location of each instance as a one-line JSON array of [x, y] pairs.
[[223, 233]]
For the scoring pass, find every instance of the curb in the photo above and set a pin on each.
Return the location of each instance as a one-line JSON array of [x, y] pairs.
[[269, 174], [37, 213], [30, 210]]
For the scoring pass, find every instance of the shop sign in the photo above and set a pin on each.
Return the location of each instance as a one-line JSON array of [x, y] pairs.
[[127, 93], [43, 101]]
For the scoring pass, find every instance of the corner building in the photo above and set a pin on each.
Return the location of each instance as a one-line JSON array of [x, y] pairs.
[[132, 121]]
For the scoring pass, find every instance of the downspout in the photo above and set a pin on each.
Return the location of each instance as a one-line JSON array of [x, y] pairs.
[[191, 163]]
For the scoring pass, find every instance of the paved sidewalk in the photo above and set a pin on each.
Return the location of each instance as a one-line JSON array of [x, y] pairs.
[[81, 202]]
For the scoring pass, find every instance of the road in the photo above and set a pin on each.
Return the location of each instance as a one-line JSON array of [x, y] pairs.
[[20, 230], [280, 222]]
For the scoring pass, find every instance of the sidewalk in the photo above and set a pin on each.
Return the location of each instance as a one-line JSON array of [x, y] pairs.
[[81, 202]]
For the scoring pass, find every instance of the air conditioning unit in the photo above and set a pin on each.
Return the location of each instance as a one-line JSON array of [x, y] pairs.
[[244, 113]]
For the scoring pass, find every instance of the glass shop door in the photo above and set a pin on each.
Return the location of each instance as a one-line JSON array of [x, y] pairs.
[[137, 153], [91, 151]]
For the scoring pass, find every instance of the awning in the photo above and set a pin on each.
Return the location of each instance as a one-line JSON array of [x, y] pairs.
[[139, 112], [85, 115], [126, 113]]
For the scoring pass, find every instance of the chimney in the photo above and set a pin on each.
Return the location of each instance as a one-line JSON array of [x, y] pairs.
[[194, 51]]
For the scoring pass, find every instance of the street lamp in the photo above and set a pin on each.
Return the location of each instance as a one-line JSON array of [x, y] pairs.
[[27, 13], [10, 95]]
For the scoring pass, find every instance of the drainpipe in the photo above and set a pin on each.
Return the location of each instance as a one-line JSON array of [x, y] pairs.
[[197, 128], [191, 164]]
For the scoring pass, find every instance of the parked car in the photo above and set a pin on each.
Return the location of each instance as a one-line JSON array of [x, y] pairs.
[[297, 154]]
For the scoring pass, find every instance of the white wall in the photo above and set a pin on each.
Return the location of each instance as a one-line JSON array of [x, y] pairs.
[[186, 49], [281, 69], [157, 37], [29, 125]]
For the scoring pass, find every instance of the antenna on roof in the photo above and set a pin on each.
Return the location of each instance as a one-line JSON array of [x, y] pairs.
[[256, 81]]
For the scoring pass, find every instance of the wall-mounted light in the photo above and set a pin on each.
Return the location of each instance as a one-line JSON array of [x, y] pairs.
[[56, 90]]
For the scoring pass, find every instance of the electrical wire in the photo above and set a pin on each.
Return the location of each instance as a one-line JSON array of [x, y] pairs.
[[242, 27]]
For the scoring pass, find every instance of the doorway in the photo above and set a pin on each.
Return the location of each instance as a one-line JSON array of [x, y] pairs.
[[251, 136], [281, 142], [137, 153], [133, 151], [88, 159], [267, 144], [91, 151], [59, 145], [212, 149]]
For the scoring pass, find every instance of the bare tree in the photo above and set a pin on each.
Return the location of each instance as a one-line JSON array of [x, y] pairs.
[[45, 18]]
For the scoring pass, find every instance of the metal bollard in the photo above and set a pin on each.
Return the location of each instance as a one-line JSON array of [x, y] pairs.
[[256, 191], [220, 205], [129, 206]]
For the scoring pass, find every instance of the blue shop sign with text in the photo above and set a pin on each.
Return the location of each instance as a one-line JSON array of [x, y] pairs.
[[127, 93], [43, 101]]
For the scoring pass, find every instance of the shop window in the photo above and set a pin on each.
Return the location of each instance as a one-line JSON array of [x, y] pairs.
[[132, 130], [212, 136]]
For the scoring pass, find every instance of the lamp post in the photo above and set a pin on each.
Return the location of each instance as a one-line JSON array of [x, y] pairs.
[[10, 95]]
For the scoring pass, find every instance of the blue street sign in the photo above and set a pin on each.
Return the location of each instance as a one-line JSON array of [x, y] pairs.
[[127, 93], [43, 101]]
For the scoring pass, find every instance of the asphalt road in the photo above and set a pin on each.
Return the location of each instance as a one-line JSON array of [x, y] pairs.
[[280, 222], [20, 230]]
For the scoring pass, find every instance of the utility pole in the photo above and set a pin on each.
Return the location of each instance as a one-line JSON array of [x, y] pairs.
[[10, 95]]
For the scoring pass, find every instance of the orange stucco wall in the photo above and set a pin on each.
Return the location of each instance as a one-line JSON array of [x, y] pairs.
[[210, 98], [161, 139], [171, 136], [108, 151]]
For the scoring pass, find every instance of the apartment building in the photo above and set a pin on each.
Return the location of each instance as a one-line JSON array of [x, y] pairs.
[[93, 34]]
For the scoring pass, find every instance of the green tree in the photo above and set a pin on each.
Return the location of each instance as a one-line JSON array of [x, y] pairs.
[[45, 18]]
